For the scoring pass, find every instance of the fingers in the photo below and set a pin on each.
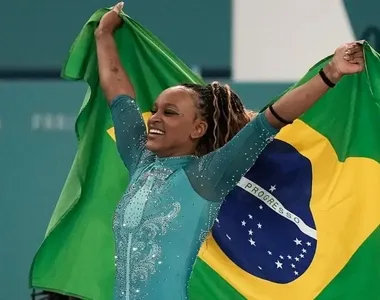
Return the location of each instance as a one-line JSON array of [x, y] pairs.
[[118, 7], [353, 56], [356, 60], [350, 58], [359, 68], [354, 53], [354, 49]]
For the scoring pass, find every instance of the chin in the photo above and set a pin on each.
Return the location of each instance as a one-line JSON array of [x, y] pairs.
[[156, 148], [152, 146]]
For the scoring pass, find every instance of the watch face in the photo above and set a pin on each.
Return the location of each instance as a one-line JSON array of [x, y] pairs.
[[365, 23]]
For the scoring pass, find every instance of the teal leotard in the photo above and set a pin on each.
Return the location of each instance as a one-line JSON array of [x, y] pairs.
[[170, 204]]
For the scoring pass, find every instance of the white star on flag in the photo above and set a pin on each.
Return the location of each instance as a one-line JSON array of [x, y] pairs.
[[279, 265]]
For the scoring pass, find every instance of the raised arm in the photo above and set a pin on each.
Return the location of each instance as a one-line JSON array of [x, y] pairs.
[[113, 78], [216, 174], [129, 127], [348, 59]]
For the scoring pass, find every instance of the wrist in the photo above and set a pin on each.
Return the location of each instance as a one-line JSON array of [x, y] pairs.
[[332, 73], [101, 32]]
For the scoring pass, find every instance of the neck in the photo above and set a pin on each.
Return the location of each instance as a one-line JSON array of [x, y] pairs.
[[174, 153]]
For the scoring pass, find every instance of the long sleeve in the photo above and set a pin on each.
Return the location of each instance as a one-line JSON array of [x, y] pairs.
[[214, 175], [130, 131]]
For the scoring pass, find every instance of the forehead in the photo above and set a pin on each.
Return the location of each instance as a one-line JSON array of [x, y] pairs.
[[176, 96]]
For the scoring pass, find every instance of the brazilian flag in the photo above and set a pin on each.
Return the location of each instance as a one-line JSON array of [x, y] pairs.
[[303, 223]]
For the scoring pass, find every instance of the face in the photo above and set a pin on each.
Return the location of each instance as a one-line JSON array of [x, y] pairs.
[[175, 126]]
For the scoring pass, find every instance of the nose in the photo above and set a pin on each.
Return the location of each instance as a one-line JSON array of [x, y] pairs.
[[154, 118]]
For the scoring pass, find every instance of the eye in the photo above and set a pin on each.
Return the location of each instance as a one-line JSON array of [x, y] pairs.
[[169, 112]]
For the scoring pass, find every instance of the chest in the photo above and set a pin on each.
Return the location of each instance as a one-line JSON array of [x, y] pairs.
[[153, 194]]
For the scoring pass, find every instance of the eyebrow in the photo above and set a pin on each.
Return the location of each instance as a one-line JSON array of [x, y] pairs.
[[172, 106], [167, 105]]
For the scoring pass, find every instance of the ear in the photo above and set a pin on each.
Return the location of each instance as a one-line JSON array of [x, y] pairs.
[[200, 128]]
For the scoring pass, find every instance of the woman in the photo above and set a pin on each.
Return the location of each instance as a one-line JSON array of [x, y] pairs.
[[200, 142]]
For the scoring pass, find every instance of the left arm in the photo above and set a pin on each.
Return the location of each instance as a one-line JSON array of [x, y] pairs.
[[216, 174], [295, 103]]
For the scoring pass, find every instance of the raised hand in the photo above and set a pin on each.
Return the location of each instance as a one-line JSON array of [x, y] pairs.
[[348, 59], [111, 20]]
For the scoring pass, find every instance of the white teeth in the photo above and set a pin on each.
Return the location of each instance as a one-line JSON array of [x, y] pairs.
[[156, 131]]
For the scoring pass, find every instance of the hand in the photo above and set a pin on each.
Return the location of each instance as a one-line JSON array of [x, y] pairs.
[[348, 59], [111, 20]]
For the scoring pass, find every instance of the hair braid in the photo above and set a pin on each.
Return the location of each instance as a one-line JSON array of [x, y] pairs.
[[216, 115], [232, 117], [223, 111]]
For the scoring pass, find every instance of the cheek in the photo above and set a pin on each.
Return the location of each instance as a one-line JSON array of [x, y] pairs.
[[179, 131]]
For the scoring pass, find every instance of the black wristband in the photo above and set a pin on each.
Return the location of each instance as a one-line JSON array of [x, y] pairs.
[[271, 109], [326, 79]]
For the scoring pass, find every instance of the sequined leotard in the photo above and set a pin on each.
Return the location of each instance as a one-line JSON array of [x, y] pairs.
[[170, 204]]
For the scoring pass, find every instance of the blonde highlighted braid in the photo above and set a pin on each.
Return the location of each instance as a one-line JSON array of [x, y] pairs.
[[224, 112]]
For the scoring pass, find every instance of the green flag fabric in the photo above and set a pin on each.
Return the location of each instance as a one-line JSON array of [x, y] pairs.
[[77, 256]]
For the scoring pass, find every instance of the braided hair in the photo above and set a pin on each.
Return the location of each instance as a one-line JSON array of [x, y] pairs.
[[223, 111]]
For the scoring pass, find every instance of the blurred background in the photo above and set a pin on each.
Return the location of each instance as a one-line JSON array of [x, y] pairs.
[[258, 47]]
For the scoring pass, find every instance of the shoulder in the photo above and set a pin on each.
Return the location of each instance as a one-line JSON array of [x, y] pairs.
[[122, 100], [262, 122]]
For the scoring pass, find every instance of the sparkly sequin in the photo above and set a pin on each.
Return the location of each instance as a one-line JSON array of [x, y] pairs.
[[171, 204]]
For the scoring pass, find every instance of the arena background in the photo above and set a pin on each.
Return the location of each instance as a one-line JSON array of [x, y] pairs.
[[259, 47]]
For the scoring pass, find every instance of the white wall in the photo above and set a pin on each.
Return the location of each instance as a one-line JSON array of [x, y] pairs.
[[278, 41]]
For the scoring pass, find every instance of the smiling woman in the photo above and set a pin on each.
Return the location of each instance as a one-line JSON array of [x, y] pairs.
[[198, 111], [200, 142], [168, 122]]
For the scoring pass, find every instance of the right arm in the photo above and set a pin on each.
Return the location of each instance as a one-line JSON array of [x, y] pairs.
[[130, 132], [113, 78]]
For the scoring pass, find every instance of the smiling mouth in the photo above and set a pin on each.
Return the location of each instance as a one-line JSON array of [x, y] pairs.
[[154, 131]]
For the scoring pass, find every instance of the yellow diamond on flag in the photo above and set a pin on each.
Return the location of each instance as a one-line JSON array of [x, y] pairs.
[[145, 117]]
